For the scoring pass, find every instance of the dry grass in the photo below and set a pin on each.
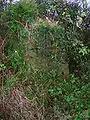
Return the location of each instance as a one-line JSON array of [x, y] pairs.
[[15, 106]]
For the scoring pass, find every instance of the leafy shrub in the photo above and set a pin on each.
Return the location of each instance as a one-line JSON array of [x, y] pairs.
[[14, 21], [58, 45], [27, 12]]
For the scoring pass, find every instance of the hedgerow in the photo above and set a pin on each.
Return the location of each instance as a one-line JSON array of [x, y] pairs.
[[49, 61]]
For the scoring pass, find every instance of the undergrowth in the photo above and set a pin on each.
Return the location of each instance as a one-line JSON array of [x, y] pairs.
[[46, 67]]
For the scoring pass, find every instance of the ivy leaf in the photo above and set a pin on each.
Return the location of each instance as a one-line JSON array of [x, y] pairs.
[[88, 112], [0, 68], [79, 118], [68, 99], [4, 67]]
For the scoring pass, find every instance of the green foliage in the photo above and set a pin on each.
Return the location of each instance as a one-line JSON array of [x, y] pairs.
[[2, 67], [56, 42], [49, 39], [70, 95], [10, 84], [42, 9], [58, 45], [14, 20], [27, 12]]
